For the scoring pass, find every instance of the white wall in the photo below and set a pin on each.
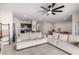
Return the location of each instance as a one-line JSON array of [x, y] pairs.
[[17, 25], [6, 17], [64, 26], [45, 27]]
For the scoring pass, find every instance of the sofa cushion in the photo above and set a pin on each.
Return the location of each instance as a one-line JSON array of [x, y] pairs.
[[55, 35], [63, 37], [39, 35], [24, 36], [32, 35], [73, 39], [35, 35]]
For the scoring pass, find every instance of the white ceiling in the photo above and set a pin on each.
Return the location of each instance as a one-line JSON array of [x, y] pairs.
[[31, 10]]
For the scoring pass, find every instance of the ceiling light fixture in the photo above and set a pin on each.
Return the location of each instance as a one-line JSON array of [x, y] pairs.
[[51, 9]]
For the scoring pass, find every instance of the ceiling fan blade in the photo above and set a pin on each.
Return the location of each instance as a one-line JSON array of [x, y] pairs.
[[44, 8], [59, 7], [53, 4], [43, 13], [58, 11], [47, 14], [49, 6], [53, 13]]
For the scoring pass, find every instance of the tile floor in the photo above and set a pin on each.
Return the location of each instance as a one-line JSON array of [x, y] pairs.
[[44, 49]]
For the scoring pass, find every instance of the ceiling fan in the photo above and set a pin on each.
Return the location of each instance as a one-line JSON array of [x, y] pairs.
[[51, 10]]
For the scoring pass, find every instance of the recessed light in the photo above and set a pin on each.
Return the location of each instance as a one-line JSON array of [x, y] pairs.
[[65, 18], [24, 15]]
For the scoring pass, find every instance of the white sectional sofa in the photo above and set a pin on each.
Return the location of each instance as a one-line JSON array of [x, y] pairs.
[[65, 42], [30, 39]]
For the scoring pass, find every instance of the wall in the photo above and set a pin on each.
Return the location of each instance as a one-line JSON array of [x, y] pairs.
[[6, 17], [44, 27], [17, 25], [64, 26]]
